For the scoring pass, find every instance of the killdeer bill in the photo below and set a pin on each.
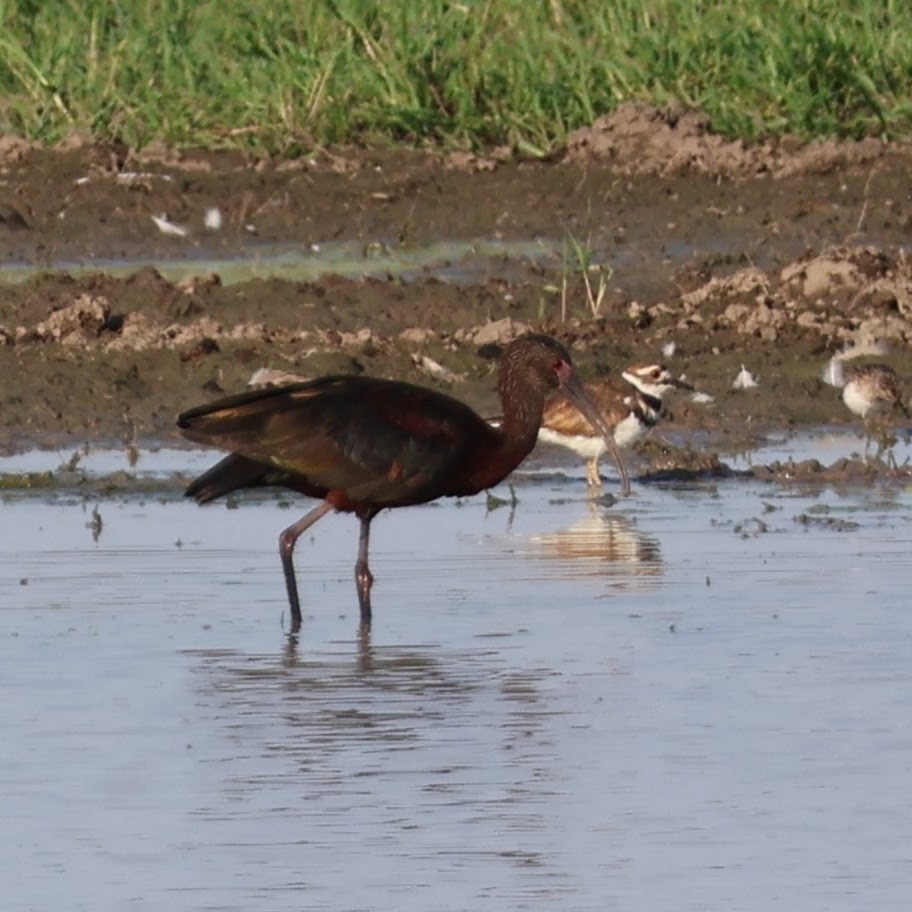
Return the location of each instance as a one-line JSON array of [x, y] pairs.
[[631, 405]]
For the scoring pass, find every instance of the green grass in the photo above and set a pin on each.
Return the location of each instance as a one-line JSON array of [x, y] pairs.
[[286, 75]]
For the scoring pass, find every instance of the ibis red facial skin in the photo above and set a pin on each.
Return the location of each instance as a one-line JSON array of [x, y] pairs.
[[362, 444]]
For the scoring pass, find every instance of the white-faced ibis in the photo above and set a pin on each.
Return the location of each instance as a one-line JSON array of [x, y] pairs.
[[362, 444], [631, 404]]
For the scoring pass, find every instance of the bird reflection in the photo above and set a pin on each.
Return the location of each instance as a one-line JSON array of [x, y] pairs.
[[364, 657], [603, 544]]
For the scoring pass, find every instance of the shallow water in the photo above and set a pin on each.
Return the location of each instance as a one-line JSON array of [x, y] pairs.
[[684, 700], [464, 261], [460, 261]]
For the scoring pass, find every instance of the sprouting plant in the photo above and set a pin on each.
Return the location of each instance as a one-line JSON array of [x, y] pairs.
[[578, 259]]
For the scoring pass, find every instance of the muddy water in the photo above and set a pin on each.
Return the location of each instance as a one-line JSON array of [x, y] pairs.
[[687, 700], [461, 261]]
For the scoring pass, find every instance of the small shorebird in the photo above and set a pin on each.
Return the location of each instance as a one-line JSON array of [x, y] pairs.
[[631, 405], [872, 391]]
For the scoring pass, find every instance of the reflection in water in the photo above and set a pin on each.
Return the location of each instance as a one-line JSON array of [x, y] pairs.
[[384, 745], [603, 544]]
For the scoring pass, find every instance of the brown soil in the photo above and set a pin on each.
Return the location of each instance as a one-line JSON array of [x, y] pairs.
[[773, 257]]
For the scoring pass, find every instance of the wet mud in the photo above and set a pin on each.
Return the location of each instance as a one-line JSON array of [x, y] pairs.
[[646, 239]]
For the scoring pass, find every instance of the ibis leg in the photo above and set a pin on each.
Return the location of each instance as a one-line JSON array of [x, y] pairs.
[[364, 579], [287, 541]]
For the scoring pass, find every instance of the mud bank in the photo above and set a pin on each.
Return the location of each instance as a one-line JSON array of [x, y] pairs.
[[660, 242]]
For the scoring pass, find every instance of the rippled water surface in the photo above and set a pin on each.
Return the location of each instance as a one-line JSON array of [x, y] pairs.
[[696, 699]]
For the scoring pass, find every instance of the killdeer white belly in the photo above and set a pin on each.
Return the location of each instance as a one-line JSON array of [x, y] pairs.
[[631, 405]]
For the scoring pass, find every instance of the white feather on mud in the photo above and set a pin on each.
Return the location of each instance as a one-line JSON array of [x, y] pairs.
[[213, 218], [744, 380], [166, 226], [436, 369], [269, 376], [135, 177], [833, 374]]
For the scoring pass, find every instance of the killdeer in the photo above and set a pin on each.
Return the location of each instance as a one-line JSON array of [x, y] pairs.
[[631, 405], [872, 391]]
